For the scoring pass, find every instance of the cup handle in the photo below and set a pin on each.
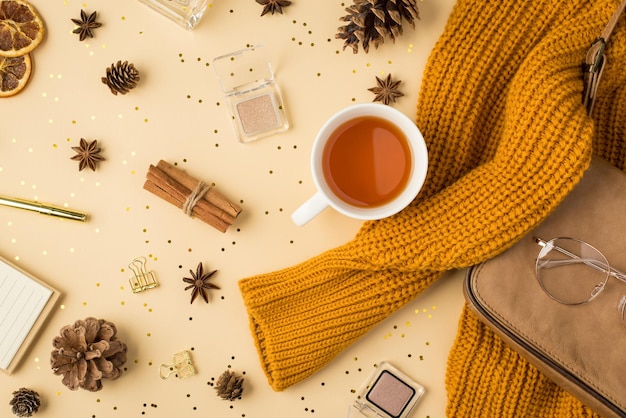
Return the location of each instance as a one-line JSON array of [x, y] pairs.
[[309, 209]]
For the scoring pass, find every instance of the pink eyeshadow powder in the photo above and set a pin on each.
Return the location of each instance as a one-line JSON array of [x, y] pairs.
[[390, 394]]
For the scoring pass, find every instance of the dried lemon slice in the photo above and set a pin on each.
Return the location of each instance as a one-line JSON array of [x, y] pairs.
[[21, 28], [14, 74]]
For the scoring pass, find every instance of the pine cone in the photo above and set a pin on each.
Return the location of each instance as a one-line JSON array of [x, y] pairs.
[[371, 21], [87, 352], [229, 386], [25, 402], [121, 77]]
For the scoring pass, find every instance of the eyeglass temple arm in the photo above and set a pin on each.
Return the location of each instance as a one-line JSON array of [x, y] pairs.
[[576, 259]]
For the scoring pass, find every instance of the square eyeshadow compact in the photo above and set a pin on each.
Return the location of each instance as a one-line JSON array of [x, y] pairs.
[[252, 94], [387, 393]]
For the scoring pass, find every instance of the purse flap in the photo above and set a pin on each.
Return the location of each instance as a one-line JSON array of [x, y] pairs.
[[586, 341]]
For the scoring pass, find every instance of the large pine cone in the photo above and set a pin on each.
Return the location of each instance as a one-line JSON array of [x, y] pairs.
[[25, 402], [121, 77], [229, 386], [87, 352], [371, 21]]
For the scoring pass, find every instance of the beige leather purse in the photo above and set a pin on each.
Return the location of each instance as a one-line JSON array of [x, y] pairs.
[[580, 347]]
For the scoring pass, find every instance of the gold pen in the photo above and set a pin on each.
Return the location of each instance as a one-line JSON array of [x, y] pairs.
[[41, 208]]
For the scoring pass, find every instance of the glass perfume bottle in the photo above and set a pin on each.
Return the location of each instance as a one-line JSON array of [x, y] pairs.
[[186, 13]]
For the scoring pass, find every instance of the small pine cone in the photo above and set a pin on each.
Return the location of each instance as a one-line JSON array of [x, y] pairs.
[[229, 386], [25, 402], [121, 77]]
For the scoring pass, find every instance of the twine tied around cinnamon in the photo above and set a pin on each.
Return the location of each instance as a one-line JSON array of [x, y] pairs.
[[195, 197]]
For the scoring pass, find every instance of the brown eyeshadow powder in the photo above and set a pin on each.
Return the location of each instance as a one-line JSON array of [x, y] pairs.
[[257, 114], [390, 394]]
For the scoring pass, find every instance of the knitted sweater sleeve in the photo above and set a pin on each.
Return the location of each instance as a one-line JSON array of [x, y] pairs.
[[500, 109]]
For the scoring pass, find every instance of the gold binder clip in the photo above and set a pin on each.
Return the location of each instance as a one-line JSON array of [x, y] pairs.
[[141, 279], [181, 367]]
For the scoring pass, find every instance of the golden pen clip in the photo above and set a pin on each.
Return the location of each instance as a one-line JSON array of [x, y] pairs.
[[42, 208]]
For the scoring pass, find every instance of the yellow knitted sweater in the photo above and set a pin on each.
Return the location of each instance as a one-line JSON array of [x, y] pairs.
[[501, 111]]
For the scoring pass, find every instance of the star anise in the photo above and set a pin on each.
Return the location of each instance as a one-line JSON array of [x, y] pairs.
[[86, 24], [199, 282], [387, 90], [88, 154], [273, 6]]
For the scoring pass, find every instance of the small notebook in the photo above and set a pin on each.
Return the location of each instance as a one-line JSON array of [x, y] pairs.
[[25, 303]]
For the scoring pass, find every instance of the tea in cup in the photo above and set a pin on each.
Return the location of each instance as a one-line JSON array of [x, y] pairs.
[[368, 162]]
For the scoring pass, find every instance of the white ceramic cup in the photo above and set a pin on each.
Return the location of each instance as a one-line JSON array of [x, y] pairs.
[[325, 196]]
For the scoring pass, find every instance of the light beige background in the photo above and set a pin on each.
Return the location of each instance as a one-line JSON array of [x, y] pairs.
[[177, 114]]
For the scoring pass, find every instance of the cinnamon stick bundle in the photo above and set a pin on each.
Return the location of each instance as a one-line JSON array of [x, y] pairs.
[[195, 197]]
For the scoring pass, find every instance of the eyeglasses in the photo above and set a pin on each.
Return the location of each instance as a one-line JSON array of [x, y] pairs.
[[573, 272]]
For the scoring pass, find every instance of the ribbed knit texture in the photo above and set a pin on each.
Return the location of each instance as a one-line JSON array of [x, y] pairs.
[[486, 378], [501, 111]]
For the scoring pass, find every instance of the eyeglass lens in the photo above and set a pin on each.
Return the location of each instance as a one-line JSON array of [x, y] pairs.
[[621, 308], [571, 271]]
